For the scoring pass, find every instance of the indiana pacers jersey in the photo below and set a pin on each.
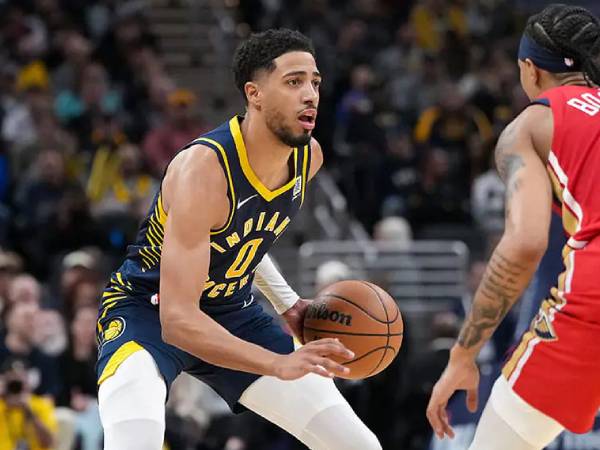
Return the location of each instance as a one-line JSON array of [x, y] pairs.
[[257, 218]]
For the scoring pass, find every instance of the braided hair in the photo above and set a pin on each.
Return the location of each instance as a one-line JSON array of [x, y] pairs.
[[572, 32]]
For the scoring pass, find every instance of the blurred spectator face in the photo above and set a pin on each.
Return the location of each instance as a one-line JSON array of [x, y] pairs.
[[51, 167], [405, 35], [94, 84], [288, 102], [401, 146], [159, 89], [181, 106], [128, 31], [83, 327], [10, 265], [438, 164], [20, 320], [362, 78], [25, 289], [76, 48], [351, 34], [86, 294], [50, 333], [130, 160], [452, 99]]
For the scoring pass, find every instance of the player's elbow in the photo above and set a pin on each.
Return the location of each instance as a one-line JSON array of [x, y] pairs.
[[530, 246], [172, 326]]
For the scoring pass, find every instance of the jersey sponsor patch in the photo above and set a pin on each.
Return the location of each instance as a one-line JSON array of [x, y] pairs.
[[297, 187]]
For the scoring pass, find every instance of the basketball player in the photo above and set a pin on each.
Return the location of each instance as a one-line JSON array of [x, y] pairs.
[[181, 301], [551, 151]]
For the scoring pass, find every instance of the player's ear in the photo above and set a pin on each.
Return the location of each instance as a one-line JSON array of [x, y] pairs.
[[253, 94], [533, 72]]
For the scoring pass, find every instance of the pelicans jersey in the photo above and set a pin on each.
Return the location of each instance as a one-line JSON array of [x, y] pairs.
[[257, 217], [556, 366]]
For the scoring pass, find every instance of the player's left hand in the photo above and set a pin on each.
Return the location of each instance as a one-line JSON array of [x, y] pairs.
[[294, 317], [461, 373]]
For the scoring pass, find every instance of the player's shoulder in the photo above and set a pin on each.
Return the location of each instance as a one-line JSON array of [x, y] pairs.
[[195, 170]]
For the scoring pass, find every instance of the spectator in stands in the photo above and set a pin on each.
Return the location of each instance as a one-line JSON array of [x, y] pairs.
[[18, 340], [331, 272], [78, 374], [90, 102], [11, 265], [24, 289], [436, 198], [39, 195], [394, 230], [487, 201], [27, 420], [76, 51], [398, 174], [128, 190], [180, 128]]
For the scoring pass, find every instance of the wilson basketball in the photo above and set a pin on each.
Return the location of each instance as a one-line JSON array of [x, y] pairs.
[[364, 317]]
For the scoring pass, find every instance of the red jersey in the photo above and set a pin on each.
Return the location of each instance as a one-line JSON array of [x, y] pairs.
[[574, 160]]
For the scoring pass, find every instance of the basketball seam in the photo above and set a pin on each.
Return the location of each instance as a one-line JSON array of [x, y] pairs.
[[385, 347], [387, 323], [357, 306], [350, 333]]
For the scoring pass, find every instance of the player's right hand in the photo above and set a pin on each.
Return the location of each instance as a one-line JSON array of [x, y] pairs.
[[313, 358]]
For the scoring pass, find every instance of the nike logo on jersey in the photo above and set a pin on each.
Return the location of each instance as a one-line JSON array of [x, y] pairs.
[[241, 202], [248, 302]]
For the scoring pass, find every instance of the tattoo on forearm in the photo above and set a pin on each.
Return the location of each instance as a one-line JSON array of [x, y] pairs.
[[500, 288]]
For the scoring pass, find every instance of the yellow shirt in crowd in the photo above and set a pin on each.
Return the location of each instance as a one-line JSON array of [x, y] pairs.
[[14, 430]]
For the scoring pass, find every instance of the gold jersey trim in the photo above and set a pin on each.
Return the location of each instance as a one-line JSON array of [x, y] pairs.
[[240, 146], [229, 181]]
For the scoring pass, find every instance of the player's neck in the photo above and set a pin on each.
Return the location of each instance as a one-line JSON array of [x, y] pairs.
[[267, 155]]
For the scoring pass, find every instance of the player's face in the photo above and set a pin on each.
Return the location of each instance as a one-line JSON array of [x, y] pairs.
[[291, 97]]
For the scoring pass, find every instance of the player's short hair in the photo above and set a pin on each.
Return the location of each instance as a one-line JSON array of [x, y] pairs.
[[572, 32], [259, 51]]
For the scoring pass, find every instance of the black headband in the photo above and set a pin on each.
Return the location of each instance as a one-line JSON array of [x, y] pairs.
[[545, 59]]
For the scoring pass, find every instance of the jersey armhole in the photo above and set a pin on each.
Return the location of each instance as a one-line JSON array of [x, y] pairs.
[[222, 155]]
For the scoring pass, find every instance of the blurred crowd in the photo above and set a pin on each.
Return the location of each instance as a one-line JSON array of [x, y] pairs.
[[415, 94]]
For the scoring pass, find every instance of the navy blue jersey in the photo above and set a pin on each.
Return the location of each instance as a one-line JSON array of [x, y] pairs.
[[257, 218]]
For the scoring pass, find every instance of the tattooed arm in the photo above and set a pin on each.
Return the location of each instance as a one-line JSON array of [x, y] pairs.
[[515, 259], [520, 157]]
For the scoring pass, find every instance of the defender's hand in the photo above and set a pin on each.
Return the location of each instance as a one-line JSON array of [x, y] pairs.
[[294, 318], [461, 374], [312, 358]]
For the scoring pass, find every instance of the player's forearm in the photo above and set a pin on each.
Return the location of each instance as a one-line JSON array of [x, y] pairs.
[[199, 335], [273, 286], [508, 273]]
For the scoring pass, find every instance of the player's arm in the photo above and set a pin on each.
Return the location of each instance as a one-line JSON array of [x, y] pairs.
[[195, 192], [514, 261], [525, 238], [272, 284]]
